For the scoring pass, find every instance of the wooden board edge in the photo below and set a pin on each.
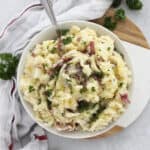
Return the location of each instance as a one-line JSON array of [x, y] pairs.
[[112, 131]]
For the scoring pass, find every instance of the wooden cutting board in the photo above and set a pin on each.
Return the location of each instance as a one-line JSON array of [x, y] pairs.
[[127, 31]]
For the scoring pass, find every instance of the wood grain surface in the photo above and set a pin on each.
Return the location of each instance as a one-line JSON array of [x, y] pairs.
[[127, 31]]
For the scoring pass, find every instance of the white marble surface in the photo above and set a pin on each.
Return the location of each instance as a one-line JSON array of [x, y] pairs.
[[135, 137]]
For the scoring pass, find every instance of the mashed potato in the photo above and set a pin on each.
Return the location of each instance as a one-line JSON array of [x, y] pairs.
[[79, 82]]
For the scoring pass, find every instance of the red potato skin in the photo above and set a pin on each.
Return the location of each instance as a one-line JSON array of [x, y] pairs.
[[124, 98], [91, 47]]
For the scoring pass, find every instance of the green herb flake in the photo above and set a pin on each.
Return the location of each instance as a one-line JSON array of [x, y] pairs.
[[116, 3], [64, 31], [120, 14], [8, 65], [84, 105], [54, 74], [84, 43], [39, 101], [48, 92], [109, 23], [71, 88], [120, 84], [83, 90], [95, 116], [67, 40], [31, 88], [93, 89], [134, 4], [53, 50], [108, 48], [45, 65], [98, 74], [68, 80], [49, 104]]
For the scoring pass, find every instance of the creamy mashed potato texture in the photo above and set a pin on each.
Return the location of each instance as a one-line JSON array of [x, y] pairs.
[[78, 82]]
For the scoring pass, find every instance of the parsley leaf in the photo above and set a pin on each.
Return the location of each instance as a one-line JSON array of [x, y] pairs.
[[120, 84], [64, 31], [95, 116], [108, 48], [84, 89], [49, 104], [53, 50], [98, 75], [120, 14], [67, 40], [116, 3], [48, 92], [31, 88], [109, 23], [93, 89], [134, 4], [84, 105], [8, 65]]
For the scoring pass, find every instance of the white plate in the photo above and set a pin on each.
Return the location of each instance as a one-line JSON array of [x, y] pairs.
[[49, 33]]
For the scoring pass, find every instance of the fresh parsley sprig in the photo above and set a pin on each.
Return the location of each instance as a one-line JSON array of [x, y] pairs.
[[132, 4], [8, 65], [110, 22]]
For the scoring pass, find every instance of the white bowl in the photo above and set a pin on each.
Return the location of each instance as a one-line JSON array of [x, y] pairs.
[[49, 33]]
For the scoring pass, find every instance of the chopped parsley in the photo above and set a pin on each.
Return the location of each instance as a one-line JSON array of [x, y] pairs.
[[71, 88], [108, 48], [116, 3], [47, 47], [109, 23], [48, 92], [68, 80], [120, 84], [49, 104], [64, 31], [83, 90], [53, 50], [45, 65], [39, 101], [93, 89], [54, 74], [98, 74], [31, 88], [95, 116], [84, 105], [120, 14], [134, 4], [67, 40], [84, 42]]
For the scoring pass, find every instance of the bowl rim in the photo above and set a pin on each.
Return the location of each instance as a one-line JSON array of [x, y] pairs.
[[27, 48]]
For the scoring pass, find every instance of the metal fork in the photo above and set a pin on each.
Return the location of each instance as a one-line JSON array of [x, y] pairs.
[[47, 4]]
